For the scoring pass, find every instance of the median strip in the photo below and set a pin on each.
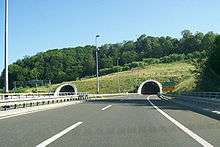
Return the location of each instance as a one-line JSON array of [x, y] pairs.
[[60, 134], [106, 107], [183, 128]]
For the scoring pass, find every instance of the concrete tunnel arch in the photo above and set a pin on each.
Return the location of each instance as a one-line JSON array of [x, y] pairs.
[[150, 87], [65, 88]]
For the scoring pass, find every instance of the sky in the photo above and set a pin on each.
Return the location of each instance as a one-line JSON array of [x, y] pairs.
[[40, 25]]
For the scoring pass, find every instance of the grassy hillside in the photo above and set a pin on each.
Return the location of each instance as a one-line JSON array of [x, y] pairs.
[[180, 72], [72, 63]]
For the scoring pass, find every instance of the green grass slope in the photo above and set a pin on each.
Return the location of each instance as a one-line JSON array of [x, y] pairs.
[[180, 72]]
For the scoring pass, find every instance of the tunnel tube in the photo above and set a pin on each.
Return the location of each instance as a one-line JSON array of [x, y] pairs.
[[65, 88], [150, 87]]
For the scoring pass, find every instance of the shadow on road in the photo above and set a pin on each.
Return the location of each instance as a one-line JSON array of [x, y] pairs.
[[162, 104], [139, 102]]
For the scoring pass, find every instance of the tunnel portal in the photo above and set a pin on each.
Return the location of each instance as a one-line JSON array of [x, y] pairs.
[[65, 88], [150, 87]]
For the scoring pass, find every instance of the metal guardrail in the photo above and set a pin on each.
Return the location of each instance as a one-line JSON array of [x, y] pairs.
[[21, 100], [13, 101], [107, 95], [208, 98], [23, 96], [213, 95], [10, 96], [206, 105]]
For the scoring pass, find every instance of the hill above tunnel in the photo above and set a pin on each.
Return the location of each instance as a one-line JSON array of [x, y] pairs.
[[180, 72]]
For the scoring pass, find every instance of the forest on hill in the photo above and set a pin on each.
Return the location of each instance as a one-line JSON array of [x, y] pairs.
[[69, 64], [209, 79]]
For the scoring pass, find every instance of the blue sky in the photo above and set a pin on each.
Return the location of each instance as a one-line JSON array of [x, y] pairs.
[[39, 25]]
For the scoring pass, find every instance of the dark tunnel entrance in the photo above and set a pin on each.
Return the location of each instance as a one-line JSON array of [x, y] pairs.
[[150, 87], [67, 88]]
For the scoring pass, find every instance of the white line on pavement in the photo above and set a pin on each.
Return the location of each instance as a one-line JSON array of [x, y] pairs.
[[183, 128], [60, 134], [218, 112], [106, 107]]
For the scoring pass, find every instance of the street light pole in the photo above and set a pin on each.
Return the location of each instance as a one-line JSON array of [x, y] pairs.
[[118, 76], [6, 46], [97, 63]]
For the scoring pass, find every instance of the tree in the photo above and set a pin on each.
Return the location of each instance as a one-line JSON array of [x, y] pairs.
[[214, 59], [128, 57], [68, 64], [208, 41]]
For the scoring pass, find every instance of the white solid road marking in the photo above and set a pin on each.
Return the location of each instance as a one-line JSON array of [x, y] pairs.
[[55, 137], [106, 107], [218, 112], [183, 128]]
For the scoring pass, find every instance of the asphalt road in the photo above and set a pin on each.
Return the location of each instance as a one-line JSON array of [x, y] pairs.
[[131, 121]]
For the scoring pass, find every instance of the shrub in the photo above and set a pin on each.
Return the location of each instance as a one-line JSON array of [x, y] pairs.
[[125, 68], [149, 61], [105, 71], [172, 58], [141, 64], [134, 64], [114, 69]]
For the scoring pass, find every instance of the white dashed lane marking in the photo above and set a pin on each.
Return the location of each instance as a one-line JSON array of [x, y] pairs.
[[60, 134], [106, 107]]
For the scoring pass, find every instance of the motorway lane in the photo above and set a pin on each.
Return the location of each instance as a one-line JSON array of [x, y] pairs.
[[30, 129], [130, 121], [127, 123], [205, 126]]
